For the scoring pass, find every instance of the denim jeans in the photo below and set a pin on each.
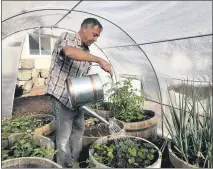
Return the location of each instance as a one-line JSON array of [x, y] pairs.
[[70, 127]]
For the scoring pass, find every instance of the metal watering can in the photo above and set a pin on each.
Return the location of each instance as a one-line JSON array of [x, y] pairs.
[[84, 90]]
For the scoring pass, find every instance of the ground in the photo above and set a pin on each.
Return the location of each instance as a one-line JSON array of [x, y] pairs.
[[34, 102]]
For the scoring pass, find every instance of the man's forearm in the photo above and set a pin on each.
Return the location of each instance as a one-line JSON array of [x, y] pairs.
[[79, 55]]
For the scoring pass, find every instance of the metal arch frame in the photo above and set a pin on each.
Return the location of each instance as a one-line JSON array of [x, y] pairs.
[[161, 41], [63, 29], [101, 48], [96, 16], [67, 13]]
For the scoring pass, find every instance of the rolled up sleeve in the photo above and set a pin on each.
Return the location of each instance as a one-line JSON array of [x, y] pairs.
[[65, 40]]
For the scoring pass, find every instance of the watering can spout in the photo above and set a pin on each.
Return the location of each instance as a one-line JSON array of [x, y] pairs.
[[85, 108], [85, 90]]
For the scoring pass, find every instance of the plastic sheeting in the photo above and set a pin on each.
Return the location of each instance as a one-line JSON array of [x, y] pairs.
[[174, 37]]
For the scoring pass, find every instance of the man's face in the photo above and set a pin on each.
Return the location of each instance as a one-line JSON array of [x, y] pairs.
[[91, 34]]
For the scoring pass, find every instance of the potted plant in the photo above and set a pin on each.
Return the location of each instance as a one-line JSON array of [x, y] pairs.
[[127, 107], [42, 124], [28, 145], [191, 134], [95, 129], [124, 152]]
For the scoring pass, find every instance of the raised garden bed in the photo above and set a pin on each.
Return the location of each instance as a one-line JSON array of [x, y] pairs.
[[124, 152], [41, 124], [27, 145]]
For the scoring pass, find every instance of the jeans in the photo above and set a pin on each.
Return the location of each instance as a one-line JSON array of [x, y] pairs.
[[70, 127]]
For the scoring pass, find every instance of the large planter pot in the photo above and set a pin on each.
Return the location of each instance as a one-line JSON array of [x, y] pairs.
[[89, 140], [106, 139], [29, 162], [45, 129], [176, 161], [145, 129], [42, 141]]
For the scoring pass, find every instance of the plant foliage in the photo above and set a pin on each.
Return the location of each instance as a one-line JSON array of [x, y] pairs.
[[192, 134], [23, 124], [125, 153], [25, 146], [126, 104]]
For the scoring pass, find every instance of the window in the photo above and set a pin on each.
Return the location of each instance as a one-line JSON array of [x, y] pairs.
[[45, 46], [35, 47]]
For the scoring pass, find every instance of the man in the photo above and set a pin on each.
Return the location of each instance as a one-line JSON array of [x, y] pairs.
[[69, 58]]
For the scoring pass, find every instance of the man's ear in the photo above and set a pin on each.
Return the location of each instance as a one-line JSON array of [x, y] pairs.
[[84, 28]]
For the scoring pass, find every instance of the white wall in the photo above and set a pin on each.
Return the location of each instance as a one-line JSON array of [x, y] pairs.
[[41, 61]]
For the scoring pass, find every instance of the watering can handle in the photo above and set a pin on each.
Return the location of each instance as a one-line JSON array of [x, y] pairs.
[[87, 68], [111, 74]]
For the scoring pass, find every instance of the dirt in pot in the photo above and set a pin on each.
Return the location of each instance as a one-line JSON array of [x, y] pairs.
[[96, 128]]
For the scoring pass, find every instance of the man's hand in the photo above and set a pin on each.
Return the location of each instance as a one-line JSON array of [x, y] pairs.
[[80, 55], [105, 65]]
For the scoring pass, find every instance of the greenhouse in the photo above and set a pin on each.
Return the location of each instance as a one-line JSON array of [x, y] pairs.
[[145, 100]]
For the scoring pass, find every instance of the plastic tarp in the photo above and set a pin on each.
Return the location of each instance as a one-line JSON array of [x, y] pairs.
[[155, 41]]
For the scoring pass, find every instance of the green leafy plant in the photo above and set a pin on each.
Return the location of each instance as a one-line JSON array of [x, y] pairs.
[[190, 133], [125, 153], [25, 146], [101, 106], [23, 124], [126, 104]]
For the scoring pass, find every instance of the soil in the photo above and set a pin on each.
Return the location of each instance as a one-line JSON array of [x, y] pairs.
[[98, 130], [32, 105]]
